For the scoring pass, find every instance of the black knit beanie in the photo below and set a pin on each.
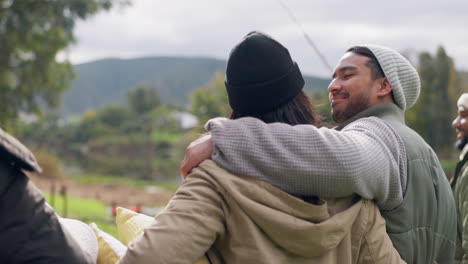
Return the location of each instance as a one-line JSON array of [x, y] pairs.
[[260, 75]]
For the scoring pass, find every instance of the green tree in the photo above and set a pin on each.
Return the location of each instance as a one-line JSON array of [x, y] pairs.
[[113, 115], [32, 32], [89, 128], [210, 100], [462, 82], [432, 115], [143, 99], [418, 116]]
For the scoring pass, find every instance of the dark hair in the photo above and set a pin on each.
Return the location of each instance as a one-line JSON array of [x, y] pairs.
[[299, 110], [372, 63]]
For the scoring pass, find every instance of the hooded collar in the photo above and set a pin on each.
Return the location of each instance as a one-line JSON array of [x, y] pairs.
[[298, 227]]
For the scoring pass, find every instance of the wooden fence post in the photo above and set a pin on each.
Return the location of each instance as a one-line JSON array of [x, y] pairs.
[[63, 193], [52, 195]]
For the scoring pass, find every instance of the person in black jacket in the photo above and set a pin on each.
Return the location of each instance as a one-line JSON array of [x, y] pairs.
[[30, 230]]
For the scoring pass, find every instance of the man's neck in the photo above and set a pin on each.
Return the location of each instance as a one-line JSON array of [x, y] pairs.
[[378, 110]]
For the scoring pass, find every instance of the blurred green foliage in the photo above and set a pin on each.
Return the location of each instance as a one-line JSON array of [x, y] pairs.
[[93, 178], [118, 140], [142, 99], [210, 101], [436, 107], [322, 104], [31, 34]]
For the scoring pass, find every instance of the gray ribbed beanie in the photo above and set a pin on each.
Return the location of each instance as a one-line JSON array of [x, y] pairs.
[[402, 76]]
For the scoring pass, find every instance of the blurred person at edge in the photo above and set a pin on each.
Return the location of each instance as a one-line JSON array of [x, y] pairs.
[[371, 153], [237, 219], [460, 179], [30, 230]]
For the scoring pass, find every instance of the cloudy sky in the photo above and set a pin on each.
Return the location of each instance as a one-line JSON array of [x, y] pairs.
[[212, 27]]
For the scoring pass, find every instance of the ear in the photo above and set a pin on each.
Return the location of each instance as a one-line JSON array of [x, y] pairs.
[[385, 88]]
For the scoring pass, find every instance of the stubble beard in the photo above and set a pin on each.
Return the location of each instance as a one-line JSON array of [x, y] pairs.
[[461, 142], [362, 103]]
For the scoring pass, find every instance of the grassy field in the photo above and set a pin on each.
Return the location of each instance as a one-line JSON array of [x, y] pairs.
[[449, 167], [86, 210], [161, 136], [448, 164], [103, 179]]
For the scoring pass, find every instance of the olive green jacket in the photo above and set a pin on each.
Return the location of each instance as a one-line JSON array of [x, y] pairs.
[[423, 227], [460, 190]]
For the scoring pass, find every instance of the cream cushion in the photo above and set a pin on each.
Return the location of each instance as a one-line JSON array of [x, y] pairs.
[[130, 224], [110, 249], [83, 235]]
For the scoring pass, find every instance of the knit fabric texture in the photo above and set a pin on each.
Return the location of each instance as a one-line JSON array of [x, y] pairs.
[[402, 76], [463, 101], [366, 157], [260, 75]]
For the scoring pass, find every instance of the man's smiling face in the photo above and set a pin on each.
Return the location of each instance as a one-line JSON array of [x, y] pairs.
[[461, 127], [352, 88]]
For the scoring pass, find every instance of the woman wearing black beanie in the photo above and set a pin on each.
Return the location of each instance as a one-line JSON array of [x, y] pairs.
[[227, 218], [263, 81]]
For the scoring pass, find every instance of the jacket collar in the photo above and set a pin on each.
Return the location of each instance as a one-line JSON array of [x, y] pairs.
[[387, 110], [464, 152], [460, 164]]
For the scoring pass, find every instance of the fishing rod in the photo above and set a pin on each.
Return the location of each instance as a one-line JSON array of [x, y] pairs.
[[306, 36]]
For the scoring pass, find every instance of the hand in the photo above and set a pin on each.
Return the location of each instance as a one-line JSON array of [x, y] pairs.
[[198, 151]]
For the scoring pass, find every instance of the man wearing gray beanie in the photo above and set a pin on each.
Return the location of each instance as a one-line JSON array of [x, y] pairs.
[[371, 153]]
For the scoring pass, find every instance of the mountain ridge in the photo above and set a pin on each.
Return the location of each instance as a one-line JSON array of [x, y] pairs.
[[106, 81]]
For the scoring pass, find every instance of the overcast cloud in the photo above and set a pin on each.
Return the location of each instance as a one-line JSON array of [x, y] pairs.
[[212, 27]]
